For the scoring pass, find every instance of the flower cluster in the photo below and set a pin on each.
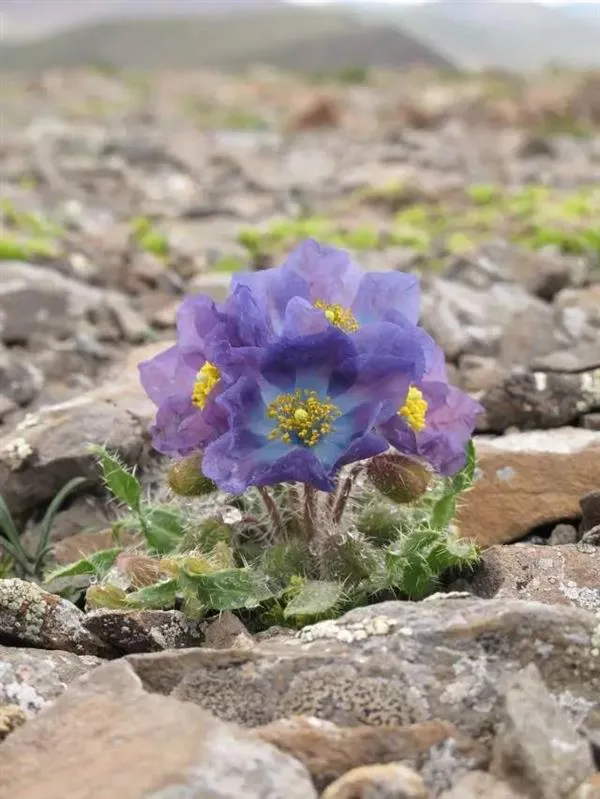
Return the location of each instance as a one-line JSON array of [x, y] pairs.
[[303, 369]]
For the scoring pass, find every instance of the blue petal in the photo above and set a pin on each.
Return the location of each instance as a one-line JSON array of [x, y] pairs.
[[382, 292]]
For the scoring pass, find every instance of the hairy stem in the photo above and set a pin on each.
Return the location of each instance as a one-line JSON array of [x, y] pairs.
[[343, 494], [272, 509], [310, 513]]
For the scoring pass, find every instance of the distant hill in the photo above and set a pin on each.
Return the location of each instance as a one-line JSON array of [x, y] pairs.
[[307, 39], [510, 35]]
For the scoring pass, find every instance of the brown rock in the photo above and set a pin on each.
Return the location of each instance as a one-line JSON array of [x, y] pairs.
[[33, 617], [392, 781], [320, 112], [86, 543], [227, 632], [528, 479], [558, 576], [590, 789], [329, 751], [537, 749], [106, 737], [479, 785]]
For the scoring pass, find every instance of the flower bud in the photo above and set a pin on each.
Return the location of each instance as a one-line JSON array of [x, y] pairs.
[[186, 478], [105, 596], [398, 477], [140, 570]]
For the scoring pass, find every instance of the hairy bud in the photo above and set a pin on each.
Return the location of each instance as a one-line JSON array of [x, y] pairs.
[[140, 570], [186, 478], [398, 477], [105, 596]]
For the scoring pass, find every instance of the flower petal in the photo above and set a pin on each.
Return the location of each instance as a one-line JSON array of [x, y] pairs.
[[382, 292]]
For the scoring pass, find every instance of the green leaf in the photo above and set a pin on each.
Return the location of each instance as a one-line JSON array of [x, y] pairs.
[[163, 529], [315, 598], [229, 589], [443, 511], [160, 596], [464, 479], [8, 528], [96, 564], [121, 482]]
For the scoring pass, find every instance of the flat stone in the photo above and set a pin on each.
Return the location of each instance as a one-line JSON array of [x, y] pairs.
[[525, 480], [538, 750], [391, 781], [31, 679], [395, 663], [329, 751], [555, 575], [480, 785], [30, 616], [109, 736]]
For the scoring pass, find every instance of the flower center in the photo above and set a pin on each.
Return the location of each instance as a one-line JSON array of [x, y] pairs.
[[302, 417], [414, 410], [339, 316], [206, 379]]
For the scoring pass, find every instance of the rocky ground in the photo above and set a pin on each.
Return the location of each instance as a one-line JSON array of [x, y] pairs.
[[122, 193]]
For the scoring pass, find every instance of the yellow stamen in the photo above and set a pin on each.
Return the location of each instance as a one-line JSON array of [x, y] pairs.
[[414, 409], [339, 316], [301, 417], [206, 380]]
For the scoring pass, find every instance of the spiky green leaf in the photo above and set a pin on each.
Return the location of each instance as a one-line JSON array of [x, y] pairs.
[[228, 589], [43, 546], [160, 596], [96, 564], [120, 481], [163, 529], [315, 598]]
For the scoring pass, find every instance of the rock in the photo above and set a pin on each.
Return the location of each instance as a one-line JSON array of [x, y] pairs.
[[478, 373], [579, 357], [128, 631], [590, 789], [538, 750], [111, 737], [525, 480], [215, 284], [563, 576], [51, 446], [391, 781], [86, 543], [590, 509], [20, 382], [31, 679], [37, 302], [30, 616], [479, 785], [539, 400], [591, 421], [395, 663], [11, 717], [226, 631], [319, 112], [329, 751], [590, 538], [7, 406], [584, 299], [563, 534]]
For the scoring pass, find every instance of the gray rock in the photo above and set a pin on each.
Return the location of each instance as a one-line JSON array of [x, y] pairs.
[[563, 534], [30, 616], [109, 736], [538, 750], [590, 510], [33, 678], [393, 663]]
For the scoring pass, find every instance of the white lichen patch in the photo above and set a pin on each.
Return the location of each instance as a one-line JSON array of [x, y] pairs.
[[347, 632], [16, 451], [585, 598]]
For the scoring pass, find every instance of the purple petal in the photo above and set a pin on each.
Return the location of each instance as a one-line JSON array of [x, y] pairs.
[[382, 292], [167, 375]]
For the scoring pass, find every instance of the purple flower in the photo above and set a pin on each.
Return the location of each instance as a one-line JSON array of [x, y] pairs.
[[436, 421], [213, 345], [330, 283], [312, 403]]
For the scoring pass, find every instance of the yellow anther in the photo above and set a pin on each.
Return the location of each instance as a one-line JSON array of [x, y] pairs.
[[414, 410], [301, 417], [339, 316], [206, 379]]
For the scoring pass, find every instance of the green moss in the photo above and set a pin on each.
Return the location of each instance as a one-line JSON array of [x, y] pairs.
[[149, 238]]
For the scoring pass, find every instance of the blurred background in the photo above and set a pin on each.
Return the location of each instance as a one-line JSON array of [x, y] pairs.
[[151, 148]]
